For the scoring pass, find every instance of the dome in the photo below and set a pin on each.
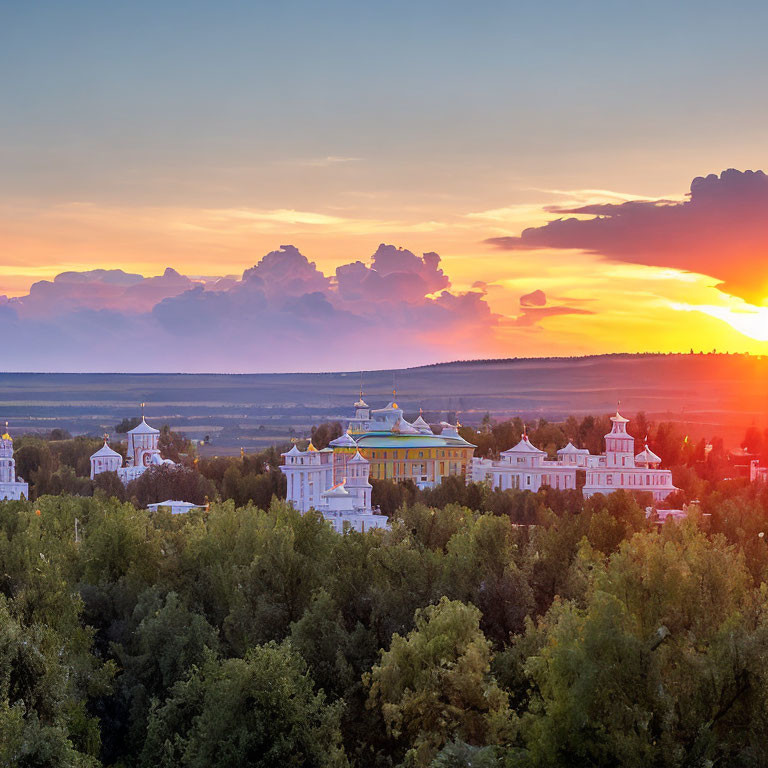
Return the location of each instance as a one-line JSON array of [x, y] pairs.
[[358, 458], [106, 451], [524, 446], [311, 447], [293, 452], [647, 457], [143, 429], [571, 448], [345, 441]]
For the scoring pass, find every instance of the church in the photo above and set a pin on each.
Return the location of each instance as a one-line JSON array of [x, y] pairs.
[[526, 467], [142, 452], [11, 486]]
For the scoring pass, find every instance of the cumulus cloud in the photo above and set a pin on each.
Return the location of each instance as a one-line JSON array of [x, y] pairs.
[[534, 308], [721, 231], [282, 314]]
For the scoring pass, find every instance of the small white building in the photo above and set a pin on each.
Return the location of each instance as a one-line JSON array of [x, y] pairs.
[[142, 452], [757, 474], [176, 507], [11, 486]]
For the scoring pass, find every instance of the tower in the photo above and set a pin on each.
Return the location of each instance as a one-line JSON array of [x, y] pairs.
[[358, 469], [7, 462], [619, 445]]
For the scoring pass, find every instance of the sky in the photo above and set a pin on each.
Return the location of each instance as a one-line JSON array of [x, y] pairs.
[[297, 186]]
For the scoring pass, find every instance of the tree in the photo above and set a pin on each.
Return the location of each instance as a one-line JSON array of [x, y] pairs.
[[127, 424], [324, 433], [259, 711], [435, 684]]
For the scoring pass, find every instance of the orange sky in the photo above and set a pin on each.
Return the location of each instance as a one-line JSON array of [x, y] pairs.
[[143, 136]]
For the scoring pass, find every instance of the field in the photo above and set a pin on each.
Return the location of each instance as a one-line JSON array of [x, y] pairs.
[[711, 394]]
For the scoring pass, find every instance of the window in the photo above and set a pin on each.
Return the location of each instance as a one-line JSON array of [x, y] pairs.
[[609, 479]]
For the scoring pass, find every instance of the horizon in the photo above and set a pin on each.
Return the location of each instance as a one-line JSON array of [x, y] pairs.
[[350, 371]]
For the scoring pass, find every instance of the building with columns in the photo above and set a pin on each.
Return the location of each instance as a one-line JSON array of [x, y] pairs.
[[142, 452], [11, 486], [346, 504], [619, 467], [390, 447], [526, 467]]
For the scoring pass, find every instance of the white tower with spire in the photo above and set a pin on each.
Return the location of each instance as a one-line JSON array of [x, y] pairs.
[[619, 444], [11, 486]]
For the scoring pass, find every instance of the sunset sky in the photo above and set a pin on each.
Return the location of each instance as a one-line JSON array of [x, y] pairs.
[[564, 160]]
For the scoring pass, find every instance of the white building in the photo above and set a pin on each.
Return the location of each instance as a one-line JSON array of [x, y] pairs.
[[142, 452], [345, 504], [526, 467], [11, 486], [176, 507], [757, 474], [619, 468]]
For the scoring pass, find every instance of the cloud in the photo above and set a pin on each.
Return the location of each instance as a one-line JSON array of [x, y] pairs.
[[721, 231], [534, 308], [283, 314]]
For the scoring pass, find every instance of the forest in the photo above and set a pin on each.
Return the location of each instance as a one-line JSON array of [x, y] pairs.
[[487, 629], [241, 636]]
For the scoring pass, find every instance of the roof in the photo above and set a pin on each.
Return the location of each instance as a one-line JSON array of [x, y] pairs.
[[337, 490], [105, 450], [393, 406], [618, 417], [404, 428], [647, 456], [293, 452], [361, 403], [394, 440], [524, 446], [345, 441], [421, 425], [571, 448], [175, 503], [143, 429], [358, 458], [311, 447]]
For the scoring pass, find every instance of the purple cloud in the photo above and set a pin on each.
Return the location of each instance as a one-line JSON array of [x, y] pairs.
[[284, 314], [721, 230]]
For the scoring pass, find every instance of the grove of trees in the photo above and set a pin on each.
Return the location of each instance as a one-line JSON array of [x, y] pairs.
[[585, 635]]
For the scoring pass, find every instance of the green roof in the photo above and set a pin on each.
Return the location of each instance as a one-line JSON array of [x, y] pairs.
[[390, 440]]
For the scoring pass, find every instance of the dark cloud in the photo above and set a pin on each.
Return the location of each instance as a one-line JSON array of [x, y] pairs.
[[534, 308], [721, 230], [535, 299]]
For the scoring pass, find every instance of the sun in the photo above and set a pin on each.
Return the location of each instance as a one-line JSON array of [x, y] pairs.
[[751, 321]]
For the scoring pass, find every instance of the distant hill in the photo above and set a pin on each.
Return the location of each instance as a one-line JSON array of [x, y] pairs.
[[714, 394]]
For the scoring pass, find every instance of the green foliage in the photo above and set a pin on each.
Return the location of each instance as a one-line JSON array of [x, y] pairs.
[[515, 629], [257, 711], [435, 684]]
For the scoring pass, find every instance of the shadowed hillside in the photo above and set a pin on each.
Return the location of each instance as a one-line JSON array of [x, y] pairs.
[[712, 393]]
